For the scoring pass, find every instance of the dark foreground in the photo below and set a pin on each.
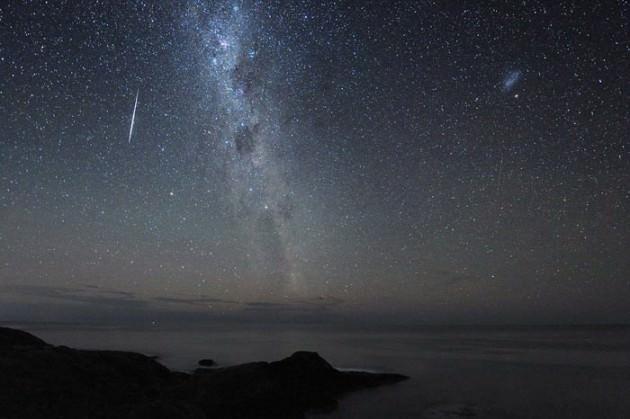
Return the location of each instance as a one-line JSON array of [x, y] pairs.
[[38, 380]]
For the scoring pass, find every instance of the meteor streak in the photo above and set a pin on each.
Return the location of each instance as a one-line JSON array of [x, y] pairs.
[[133, 116]]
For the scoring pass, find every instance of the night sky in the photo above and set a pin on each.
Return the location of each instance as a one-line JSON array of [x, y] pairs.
[[371, 161]]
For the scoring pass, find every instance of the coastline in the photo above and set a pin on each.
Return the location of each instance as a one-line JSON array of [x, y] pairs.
[[43, 380]]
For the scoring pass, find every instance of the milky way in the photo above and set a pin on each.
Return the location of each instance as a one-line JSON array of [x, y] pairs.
[[397, 161], [248, 135]]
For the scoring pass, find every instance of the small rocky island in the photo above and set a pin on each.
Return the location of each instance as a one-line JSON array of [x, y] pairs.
[[39, 380]]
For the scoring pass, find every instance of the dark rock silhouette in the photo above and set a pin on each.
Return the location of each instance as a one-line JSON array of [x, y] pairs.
[[14, 337], [38, 380]]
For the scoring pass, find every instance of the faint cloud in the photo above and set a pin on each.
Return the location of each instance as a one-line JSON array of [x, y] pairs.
[[85, 295], [194, 301]]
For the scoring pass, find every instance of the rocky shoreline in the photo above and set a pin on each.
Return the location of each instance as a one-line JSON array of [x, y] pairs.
[[39, 380]]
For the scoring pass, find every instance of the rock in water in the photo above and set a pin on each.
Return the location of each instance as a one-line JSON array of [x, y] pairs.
[[38, 380], [207, 363]]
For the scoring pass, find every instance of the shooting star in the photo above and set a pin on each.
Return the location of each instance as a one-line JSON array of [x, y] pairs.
[[133, 116]]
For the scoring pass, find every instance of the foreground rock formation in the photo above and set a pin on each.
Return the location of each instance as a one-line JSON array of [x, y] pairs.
[[38, 380]]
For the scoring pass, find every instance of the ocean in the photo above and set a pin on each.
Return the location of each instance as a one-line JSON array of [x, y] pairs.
[[464, 371]]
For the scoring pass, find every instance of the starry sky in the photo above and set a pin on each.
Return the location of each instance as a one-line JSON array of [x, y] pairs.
[[403, 161]]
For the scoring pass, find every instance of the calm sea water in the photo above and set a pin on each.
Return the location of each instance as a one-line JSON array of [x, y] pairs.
[[515, 372]]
